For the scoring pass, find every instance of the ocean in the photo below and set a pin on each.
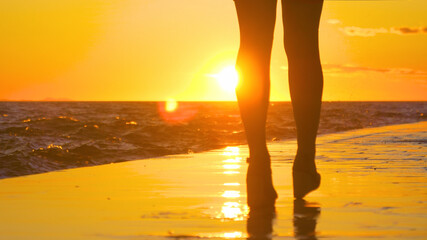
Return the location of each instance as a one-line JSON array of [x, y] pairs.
[[38, 137]]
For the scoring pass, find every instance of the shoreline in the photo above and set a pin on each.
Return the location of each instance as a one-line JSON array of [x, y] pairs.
[[373, 185], [213, 149]]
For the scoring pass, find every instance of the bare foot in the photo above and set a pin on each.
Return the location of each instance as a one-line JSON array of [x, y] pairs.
[[259, 186], [304, 182]]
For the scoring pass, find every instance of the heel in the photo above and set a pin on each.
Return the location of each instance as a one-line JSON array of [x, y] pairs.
[[304, 183]]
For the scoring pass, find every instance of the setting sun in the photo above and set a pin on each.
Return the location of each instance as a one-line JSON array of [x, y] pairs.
[[227, 78]]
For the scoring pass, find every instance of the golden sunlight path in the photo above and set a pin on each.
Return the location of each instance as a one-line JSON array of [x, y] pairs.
[[374, 185]]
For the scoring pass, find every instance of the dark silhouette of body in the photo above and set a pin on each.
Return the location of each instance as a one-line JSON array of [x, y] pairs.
[[305, 219], [256, 23], [261, 220]]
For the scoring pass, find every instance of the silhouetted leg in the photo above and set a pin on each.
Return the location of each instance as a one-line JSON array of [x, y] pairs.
[[305, 219], [301, 22], [256, 23], [260, 224]]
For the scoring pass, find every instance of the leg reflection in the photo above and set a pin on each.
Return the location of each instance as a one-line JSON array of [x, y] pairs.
[[305, 219], [260, 223]]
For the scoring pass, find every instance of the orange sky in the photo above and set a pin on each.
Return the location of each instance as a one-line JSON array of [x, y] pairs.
[[163, 49]]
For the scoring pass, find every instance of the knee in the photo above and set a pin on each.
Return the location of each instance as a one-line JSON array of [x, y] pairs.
[[301, 52], [252, 63], [257, 51], [302, 46], [256, 44]]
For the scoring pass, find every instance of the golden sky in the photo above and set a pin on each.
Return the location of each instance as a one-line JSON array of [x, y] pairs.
[[168, 49]]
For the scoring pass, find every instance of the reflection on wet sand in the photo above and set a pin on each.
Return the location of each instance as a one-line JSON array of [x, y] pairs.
[[231, 194], [260, 224], [231, 151], [305, 219], [232, 208]]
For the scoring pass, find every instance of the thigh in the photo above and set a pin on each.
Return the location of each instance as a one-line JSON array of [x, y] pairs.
[[256, 21], [301, 23]]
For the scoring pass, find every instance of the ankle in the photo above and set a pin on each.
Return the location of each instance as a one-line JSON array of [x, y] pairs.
[[306, 151], [304, 168], [304, 162], [260, 158], [259, 167], [260, 155]]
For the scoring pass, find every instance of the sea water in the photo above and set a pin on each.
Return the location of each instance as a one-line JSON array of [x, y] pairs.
[[38, 137]]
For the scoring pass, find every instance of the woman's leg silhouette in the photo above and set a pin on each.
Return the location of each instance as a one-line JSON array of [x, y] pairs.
[[301, 23], [256, 23]]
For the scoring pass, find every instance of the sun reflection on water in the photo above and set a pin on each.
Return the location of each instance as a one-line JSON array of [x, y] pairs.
[[231, 166], [233, 160], [171, 105], [233, 235], [231, 194], [232, 208], [231, 184], [231, 151], [224, 235], [233, 211]]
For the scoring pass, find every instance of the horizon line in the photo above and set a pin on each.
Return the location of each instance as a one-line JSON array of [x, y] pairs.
[[271, 101]]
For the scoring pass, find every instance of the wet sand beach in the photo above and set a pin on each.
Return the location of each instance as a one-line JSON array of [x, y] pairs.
[[374, 185]]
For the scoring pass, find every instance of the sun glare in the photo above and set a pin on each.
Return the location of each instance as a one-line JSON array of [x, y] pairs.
[[171, 105], [227, 78]]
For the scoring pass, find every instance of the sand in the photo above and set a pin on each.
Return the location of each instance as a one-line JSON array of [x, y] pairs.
[[374, 185]]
